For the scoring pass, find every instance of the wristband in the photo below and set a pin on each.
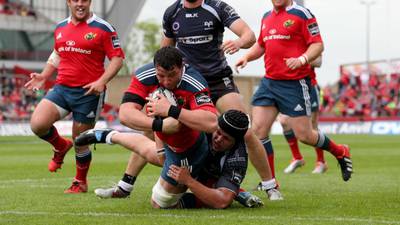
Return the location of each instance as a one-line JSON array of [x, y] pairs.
[[303, 59], [174, 112], [157, 124]]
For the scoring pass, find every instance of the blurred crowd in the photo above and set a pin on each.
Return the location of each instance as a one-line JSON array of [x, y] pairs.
[[18, 103], [15, 7], [357, 97], [362, 96]]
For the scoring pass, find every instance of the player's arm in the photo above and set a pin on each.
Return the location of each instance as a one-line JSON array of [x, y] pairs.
[[246, 37], [255, 52], [314, 51], [316, 63], [38, 79], [131, 115], [201, 116], [111, 70], [219, 198]]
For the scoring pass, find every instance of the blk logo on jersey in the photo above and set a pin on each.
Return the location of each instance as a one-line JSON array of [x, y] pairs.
[[191, 15], [90, 36], [288, 23], [202, 98], [313, 29], [115, 42]]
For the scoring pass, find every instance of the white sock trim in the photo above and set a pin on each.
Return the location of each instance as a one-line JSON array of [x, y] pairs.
[[269, 184], [109, 136], [125, 186]]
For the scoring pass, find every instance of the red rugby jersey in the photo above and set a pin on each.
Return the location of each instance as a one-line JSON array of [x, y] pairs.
[[192, 93], [285, 34], [82, 49]]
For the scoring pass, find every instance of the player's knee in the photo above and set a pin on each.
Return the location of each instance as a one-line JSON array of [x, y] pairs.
[[304, 136], [161, 198], [38, 127]]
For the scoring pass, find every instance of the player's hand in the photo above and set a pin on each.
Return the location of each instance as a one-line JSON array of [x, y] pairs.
[[95, 88], [231, 47], [158, 106], [293, 63], [180, 174], [240, 64], [170, 125], [36, 82]]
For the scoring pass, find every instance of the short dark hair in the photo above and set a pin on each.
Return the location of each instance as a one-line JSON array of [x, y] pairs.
[[234, 122], [168, 57]]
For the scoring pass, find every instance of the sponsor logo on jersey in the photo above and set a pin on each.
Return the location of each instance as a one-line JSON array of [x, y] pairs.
[[115, 41], [227, 82], [276, 37], [90, 36], [209, 25], [59, 36], [194, 40], [272, 31], [288, 23], [236, 177], [73, 49], [202, 98], [191, 15], [231, 11], [70, 43], [175, 26], [313, 29]]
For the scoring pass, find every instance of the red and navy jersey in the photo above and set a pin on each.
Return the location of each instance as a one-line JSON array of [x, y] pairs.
[[192, 93], [286, 34], [198, 33], [82, 49]]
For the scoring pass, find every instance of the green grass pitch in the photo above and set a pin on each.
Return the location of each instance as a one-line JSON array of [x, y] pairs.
[[29, 194]]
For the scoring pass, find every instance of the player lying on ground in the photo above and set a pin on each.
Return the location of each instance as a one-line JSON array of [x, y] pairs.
[[218, 183]]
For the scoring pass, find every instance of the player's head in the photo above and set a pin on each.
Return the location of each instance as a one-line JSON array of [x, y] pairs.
[[168, 63], [279, 4], [232, 126], [80, 9]]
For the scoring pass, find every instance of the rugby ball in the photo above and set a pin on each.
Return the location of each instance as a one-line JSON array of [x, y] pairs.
[[167, 93]]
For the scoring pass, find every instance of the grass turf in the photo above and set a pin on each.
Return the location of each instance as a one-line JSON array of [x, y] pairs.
[[29, 194]]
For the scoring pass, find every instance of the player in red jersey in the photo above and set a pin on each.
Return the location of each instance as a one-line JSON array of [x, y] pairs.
[[194, 111], [82, 42], [196, 28], [289, 40], [297, 158]]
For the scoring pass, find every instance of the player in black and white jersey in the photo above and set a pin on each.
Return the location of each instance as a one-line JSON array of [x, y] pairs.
[[196, 28]]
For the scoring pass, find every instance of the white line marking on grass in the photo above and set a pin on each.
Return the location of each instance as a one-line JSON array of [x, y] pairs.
[[219, 216]]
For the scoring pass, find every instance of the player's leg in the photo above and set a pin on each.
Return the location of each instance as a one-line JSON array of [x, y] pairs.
[[297, 159], [83, 157], [125, 186], [49, 110], [320, 165], [167, 192], [85, 111], [294, 101]]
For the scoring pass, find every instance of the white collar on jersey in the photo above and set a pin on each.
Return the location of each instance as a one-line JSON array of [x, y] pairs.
[[293, 5], [91, 19]]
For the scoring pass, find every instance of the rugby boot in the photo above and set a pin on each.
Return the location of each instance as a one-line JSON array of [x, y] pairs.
[[58, 157]]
